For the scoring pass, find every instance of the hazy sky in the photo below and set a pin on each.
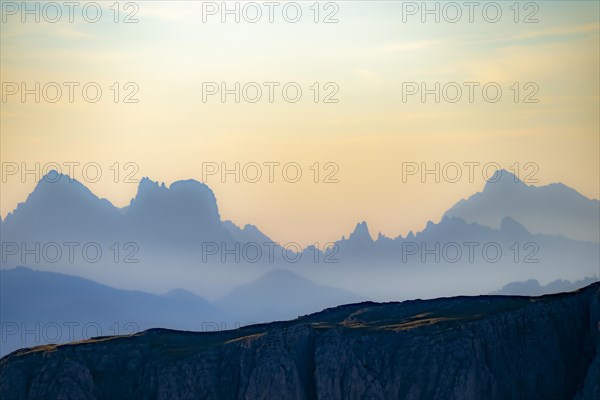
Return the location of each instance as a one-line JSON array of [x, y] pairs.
[[367, 56]]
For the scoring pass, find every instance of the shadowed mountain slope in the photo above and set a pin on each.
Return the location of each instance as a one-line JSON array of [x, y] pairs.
[[486, 347]]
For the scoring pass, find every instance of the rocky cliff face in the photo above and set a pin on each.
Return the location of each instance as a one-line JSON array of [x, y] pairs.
[[488, 347]]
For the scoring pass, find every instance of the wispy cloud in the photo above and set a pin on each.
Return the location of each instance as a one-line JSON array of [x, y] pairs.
[[558, 33], [409, 46], [70, 33]]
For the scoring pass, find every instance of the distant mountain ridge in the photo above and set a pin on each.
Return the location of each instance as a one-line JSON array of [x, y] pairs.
[[551, 209], [281, 294], [57, 205], [62, 208], [187, 212], [185, 209], [169, 234], [532, 287], [31, 298]]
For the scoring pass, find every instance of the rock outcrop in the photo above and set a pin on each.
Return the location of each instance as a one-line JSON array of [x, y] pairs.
[[487, 347]]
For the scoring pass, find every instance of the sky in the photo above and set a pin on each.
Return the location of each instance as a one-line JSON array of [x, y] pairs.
[[351, 145]]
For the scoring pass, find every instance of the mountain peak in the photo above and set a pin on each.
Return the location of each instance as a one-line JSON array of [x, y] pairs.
[[554, 209], [55, 179], [59, 203], [147, 186], [187, 206], [183, 189], [361, 233], [53, 176], [503, 178], [55, 190]]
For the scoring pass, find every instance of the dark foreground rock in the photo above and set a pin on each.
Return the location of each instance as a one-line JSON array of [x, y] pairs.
[[488, 347]]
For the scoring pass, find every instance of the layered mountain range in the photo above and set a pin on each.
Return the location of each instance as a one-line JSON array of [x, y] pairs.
[[553, 209], [174, 237], [38, 307], [186, 212], [169, 260]]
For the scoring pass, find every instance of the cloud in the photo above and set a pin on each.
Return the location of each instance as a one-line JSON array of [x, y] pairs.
[[559, 33], [409, 46], [69, 33]]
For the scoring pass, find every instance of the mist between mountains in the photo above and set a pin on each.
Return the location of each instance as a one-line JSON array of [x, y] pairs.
[[410, 252], [268, 252], [70, 252]]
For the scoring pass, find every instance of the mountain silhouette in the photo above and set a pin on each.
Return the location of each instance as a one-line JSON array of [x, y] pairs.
[[29, 297], [248, 234], [282, 294], [361, 234], [170, 226], [532, 287], [551, 209], [61, 207], [184, 213]]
